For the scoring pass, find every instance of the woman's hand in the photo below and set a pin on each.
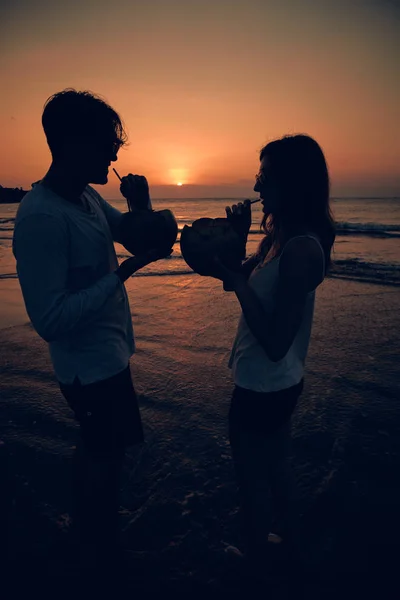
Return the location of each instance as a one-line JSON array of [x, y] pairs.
[[135, 189], [129, 266], [239, 215], [232, 280]]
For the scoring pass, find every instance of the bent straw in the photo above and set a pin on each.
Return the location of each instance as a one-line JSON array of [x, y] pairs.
[[117, 174]]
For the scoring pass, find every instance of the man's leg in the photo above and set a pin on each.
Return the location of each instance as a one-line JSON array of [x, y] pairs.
[[97, 463], [109, 419], [95, 488]]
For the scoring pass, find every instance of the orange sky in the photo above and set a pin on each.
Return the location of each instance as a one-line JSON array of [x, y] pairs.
[[203, 84]]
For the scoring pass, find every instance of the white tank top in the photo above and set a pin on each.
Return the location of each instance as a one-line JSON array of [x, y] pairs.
[[250, 365]]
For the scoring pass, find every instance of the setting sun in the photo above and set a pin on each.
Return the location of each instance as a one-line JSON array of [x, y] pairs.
[[192, 113], [178, 176]]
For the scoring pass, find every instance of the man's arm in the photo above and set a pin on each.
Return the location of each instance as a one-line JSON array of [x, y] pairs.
[[41, 250], [113, 215], [115, 218]]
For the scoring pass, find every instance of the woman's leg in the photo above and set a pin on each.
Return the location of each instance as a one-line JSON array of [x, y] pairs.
[[282, 481], [263, 471]]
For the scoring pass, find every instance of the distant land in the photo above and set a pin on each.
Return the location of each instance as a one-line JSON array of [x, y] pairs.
[[11, 195]]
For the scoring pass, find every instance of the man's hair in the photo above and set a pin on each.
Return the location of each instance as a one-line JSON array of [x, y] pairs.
[[72, 116]]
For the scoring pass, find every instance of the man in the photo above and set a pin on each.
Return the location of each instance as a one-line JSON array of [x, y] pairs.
[[75, 297]]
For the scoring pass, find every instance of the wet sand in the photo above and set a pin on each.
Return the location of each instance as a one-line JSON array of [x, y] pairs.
[[178, 504]]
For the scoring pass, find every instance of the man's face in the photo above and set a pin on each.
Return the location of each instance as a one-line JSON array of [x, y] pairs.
[[99, 155], [90, 158]]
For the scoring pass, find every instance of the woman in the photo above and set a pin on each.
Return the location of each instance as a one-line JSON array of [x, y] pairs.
[[276, 290]]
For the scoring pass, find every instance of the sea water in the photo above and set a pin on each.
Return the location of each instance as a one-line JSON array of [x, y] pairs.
[[367, 246]]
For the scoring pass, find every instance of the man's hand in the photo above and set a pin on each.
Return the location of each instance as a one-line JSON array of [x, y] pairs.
[[129, 266], [135, 189], [239, 215]]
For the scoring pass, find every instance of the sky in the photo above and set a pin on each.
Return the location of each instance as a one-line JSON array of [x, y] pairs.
[[202, 85]]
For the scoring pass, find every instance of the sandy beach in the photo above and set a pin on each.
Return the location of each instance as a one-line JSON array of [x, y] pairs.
[[178, 507]]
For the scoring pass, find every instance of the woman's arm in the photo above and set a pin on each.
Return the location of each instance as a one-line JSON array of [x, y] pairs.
[[249, 265], [300, 272], [246, 269]]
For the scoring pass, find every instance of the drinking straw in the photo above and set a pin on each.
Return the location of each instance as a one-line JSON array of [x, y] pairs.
[[127, 201]]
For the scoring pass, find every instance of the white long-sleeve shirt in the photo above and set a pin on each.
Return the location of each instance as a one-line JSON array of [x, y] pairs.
[[66, 265]]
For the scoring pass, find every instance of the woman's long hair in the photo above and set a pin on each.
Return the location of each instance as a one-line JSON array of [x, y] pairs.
[[299, 172]]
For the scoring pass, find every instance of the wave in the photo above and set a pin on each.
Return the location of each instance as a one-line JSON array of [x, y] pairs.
[[374, 229], [353, 269], [368, 229], [183, 271], [173, 256], [367, 272], [342, 228], [7, 224], [186, 271]]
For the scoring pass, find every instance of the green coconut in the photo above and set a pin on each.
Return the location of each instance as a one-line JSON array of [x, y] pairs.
[[143, 230], [208, 238]]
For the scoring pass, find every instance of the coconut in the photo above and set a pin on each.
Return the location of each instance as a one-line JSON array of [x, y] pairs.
[[208, 238], [143, 230]]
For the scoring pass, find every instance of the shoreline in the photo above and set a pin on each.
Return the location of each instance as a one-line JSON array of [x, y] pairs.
[[14, 314], [178, 504]]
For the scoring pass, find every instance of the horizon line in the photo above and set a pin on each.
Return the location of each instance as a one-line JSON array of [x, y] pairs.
[[250, 197]]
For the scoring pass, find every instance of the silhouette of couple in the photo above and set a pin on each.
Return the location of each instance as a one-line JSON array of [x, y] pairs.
[[75, 296]]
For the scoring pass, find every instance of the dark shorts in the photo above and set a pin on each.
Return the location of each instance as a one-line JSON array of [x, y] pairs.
[[108, 414], [263, 413]]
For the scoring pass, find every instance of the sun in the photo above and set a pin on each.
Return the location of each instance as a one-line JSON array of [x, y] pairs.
[[178, 176]]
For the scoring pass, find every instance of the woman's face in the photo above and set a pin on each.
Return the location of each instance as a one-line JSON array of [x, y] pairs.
[[266, 187]]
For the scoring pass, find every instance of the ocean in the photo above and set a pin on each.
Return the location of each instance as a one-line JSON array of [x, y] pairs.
[[178, 493], [366, 248]]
